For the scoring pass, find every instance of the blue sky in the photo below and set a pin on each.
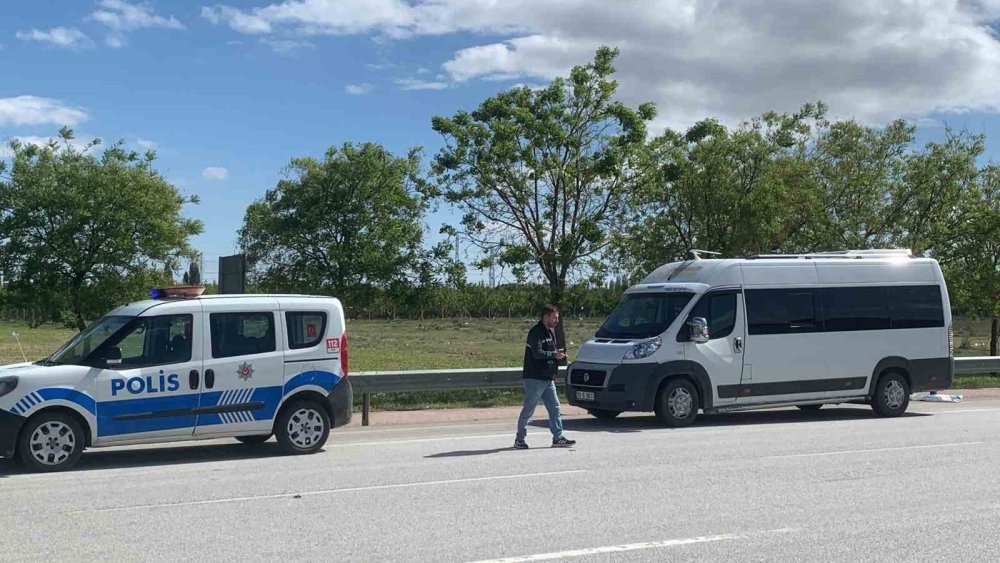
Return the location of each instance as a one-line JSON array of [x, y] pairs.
[[228, 93]]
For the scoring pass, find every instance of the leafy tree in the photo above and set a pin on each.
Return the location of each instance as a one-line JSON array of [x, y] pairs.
[[971, 257], [541, 174], [77, 228], [350, 220], [737, 192]]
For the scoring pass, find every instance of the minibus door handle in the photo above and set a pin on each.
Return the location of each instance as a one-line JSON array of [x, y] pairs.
[[738, 344]]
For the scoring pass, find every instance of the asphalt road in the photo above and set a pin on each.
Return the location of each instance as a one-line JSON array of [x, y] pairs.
[[837, 484]]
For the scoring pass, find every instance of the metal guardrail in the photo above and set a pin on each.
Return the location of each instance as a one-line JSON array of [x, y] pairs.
[[368, 382], [977, 364]]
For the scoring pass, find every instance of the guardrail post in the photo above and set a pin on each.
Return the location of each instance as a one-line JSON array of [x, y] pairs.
[[365, 405]]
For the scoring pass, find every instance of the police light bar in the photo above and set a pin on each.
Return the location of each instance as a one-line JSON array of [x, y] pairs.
[[177, 292]]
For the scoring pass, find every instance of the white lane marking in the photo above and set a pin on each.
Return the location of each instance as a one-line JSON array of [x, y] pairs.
[[842, 452], [625, 547], [963, 411], [442, 439], [335, 491]]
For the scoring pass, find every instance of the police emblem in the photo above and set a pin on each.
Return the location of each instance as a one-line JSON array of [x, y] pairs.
[[245, 371]]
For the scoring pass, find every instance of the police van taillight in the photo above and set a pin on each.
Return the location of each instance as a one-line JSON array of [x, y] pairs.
[[343, 354], [951, 342]]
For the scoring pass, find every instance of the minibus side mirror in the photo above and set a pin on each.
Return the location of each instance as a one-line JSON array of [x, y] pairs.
[[113, 358], [699, 330]]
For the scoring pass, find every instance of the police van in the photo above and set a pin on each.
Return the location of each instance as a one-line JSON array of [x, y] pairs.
[[183, 366], [718, 335]]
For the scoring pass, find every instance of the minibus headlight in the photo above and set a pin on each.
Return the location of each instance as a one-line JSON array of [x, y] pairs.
[[7, 384], [644, 349]]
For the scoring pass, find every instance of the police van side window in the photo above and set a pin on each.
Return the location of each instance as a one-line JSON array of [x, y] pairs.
[[152, 341], [782, 311], [305, 330], [242, 334]]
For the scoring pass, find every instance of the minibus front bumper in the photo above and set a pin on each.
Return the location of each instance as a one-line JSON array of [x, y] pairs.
[[611, 387]]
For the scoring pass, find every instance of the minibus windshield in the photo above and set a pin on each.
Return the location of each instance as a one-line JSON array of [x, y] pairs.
[[643, 315]]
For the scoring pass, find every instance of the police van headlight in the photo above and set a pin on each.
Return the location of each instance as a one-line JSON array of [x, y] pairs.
[[7, 384], [644, 349]]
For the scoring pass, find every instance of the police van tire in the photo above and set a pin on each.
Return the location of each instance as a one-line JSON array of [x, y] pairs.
[[603, 414], [51, 441], [302, 428], [253, 440], [892, 395], [677, 404]]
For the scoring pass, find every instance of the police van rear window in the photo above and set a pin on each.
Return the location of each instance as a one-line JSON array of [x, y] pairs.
[[305, 329], [242, 334]]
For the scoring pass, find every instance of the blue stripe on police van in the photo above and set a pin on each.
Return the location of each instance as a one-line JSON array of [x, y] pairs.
[[70, 395], [325, 379]]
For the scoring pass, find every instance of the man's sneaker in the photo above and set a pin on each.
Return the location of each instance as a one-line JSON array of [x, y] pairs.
[[520, 445], [562, 442]]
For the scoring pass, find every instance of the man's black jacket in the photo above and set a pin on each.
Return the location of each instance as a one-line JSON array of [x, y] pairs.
[[540, 354]]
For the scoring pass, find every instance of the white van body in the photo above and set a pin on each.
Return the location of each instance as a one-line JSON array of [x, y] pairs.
[[783, 330], [174, 369]]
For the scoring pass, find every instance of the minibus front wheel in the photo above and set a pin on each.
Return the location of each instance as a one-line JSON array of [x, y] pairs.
[[677, 403]]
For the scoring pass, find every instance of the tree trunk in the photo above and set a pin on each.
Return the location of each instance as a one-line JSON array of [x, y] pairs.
[[556, 291], [994, 335]]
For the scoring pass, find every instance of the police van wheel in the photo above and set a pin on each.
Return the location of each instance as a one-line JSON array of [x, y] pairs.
[[302, 428], [602, 414], [892, 396], [253, 440], [677, 404], [51, 442]]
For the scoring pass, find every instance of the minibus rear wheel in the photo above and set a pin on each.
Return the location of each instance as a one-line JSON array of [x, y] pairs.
[[892, 395]]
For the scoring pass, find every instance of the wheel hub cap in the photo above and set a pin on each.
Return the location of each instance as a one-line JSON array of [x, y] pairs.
[[305, 428], [680, 402], [894, 395], [52, 443]]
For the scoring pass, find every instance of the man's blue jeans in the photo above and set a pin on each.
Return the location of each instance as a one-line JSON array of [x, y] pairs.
[[535, 389]]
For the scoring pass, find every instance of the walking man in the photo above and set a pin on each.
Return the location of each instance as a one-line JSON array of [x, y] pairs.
[[541, 365]]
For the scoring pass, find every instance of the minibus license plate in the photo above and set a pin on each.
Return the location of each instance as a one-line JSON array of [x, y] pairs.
[[585, 395]]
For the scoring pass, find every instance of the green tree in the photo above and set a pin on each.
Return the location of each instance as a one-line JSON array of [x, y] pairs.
[[742, 191], [76, 228], [334, 225], [971, 257], [540, 175]]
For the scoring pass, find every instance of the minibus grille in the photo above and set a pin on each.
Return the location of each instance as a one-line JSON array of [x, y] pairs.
[[588, 377]]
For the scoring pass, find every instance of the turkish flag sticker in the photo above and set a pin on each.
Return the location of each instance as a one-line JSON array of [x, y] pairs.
[[311, 330]]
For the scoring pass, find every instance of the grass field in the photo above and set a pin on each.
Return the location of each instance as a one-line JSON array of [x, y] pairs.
[[450, 343]]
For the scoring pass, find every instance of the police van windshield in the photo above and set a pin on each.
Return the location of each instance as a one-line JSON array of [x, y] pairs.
[[643, 315], [81, 345]]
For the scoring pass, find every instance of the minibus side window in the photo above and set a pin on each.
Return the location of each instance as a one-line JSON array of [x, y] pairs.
[[782, 311]]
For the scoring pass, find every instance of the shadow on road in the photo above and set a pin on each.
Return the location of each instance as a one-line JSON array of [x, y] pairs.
[[98, 459], [469, 453], [628, 424]]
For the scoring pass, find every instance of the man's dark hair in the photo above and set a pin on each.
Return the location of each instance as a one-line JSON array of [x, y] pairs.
[[549, 309]]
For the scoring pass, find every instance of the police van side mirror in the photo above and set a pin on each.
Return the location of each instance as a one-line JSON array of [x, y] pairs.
[[698, 327], [113, 356]]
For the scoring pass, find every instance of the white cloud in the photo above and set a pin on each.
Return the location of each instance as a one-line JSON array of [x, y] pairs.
[[120, 15], [65, 37], [869, 59], [286, 46], [216, 173], [414, 84], [358, 89], [35, 110], [145, 144]]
